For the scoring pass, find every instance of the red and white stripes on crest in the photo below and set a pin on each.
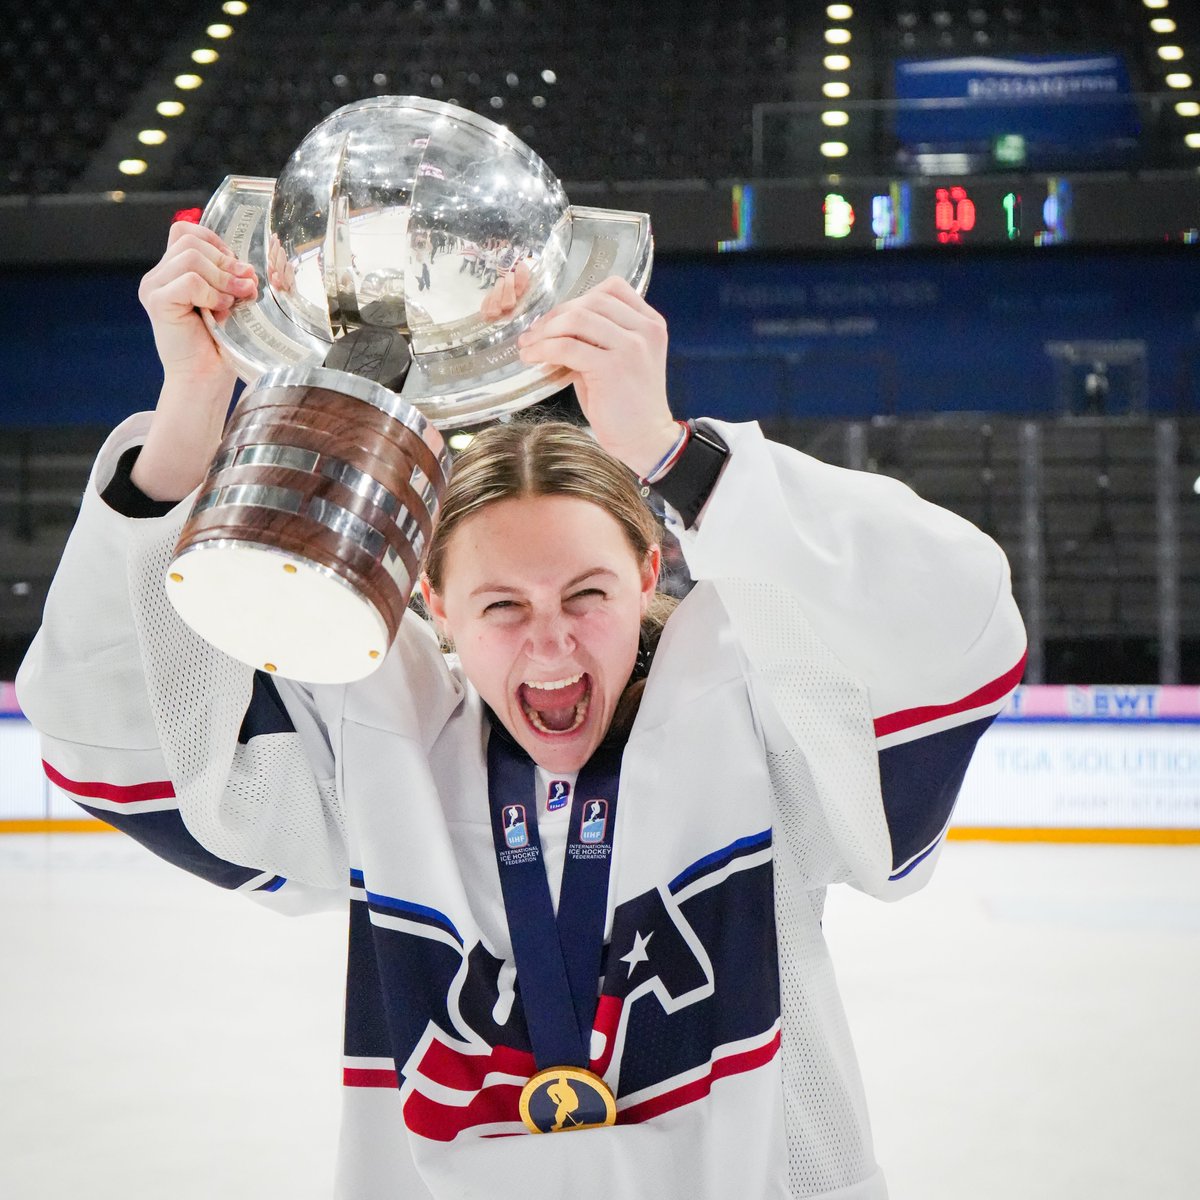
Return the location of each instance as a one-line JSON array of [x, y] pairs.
[[452, 1092]]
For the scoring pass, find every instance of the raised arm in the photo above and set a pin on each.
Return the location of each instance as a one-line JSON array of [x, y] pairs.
[[143, 723], [880, 631]]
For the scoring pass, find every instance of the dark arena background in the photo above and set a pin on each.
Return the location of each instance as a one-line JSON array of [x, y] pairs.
[[956, 242]]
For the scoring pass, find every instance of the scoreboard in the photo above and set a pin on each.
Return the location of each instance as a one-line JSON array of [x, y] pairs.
[[1030, 211]]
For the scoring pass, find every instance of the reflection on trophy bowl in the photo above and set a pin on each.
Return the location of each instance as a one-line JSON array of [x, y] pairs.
[[305, 543], [431, 221], [404, 248]]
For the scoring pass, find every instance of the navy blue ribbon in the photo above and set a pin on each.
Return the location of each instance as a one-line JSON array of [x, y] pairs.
[[558, 961]]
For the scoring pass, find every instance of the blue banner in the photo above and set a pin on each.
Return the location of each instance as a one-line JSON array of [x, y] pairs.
[[1056, 99]]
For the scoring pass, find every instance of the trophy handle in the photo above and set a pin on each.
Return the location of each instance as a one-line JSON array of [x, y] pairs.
[[468, 385], [257, 335]]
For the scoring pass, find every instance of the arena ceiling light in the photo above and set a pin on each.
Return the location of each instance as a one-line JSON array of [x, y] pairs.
[[834, 149], [1155, 3], [204, 56], [1170, 53], [1188, 108], [1162, 25], [1179, 79], [152, 137], [835, 89], [839, 12], [837, 37], [837, 62], [169, 108], [1193, 140], [235, 8], [834, 116], [188, 83], [219, 31], [132, 166]]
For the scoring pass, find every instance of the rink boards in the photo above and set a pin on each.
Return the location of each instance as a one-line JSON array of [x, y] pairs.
[[1098, 763]]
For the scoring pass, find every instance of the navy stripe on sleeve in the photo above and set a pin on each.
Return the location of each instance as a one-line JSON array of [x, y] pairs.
[[920, 781], [164, 833], [265, 712]]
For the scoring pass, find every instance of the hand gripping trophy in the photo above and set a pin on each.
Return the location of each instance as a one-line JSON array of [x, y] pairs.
[[405, 246]]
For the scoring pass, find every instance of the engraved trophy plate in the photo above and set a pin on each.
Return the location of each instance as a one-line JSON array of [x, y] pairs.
[[397, 221]]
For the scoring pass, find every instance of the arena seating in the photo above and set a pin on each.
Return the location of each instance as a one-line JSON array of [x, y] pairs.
[[615, 91], [67, 72], [587, 87]]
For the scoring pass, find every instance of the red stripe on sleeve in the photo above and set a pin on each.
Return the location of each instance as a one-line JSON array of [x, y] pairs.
[[988, 694], [160, 789]]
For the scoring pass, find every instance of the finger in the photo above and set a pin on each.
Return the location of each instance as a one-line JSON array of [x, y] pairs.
[[583, 323], [193, 239], [188, 291], [609, 306], [490, 308], [508, 294], [578, 356], [522, 276], [181, 229], [623, 291], [222, 271]]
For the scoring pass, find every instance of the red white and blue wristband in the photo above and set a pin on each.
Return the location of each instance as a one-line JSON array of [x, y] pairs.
[[687, 474], [668, 460]]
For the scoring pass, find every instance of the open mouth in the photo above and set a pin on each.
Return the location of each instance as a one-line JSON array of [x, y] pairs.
[[556, 707]]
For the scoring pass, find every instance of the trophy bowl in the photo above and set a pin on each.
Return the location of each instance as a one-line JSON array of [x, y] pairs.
[[403, 249]]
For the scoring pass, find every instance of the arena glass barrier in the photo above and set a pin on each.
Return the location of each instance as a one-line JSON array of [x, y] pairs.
[[1060, 764]]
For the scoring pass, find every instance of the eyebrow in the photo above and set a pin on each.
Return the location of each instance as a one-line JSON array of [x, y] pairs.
[[512, 591]]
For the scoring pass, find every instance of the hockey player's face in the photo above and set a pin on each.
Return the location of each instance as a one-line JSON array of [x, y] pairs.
[[543, 597]]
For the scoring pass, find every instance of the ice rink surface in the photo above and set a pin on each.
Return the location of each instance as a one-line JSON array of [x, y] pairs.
[[1028, 1026]]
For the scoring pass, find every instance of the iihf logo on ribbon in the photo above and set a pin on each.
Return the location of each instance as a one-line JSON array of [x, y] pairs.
[[516, 834], [558, 795], [595, 820]]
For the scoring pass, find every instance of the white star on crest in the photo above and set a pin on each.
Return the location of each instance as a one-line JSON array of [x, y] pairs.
[[638, 953]]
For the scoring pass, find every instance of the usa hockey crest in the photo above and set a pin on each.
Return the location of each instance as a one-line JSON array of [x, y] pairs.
[[690, 995]]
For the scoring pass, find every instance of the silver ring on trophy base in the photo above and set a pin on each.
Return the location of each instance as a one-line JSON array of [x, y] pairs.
[[306, 540], [410, 214]]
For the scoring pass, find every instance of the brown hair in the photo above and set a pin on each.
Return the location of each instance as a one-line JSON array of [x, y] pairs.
[[531, 457]]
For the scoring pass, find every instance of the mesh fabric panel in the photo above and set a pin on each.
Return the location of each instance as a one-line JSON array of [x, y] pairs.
[[830, 828], [258, 804]]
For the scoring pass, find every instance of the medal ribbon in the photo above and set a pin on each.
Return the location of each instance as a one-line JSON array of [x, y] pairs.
[[558, 961]]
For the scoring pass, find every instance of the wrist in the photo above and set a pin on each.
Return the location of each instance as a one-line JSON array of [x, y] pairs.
[[651, 451], [183, 437]]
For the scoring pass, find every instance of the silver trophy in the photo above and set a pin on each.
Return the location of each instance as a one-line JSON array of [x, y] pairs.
[[403, 249]]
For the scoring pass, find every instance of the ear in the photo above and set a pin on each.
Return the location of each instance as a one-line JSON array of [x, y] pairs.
[[651, 567], [433, 604]]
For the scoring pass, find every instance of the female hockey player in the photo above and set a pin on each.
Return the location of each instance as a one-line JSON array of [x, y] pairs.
[[584, 853]]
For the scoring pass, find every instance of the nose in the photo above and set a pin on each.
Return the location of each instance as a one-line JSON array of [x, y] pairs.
[[550, 637]]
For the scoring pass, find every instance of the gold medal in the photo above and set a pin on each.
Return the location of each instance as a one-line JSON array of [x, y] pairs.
[[563, 1098]]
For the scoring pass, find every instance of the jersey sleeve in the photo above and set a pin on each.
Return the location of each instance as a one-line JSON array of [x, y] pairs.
[[881, 639], [219, 769]]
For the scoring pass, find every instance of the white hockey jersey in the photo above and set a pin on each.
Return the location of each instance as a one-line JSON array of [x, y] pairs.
[[807, 720]]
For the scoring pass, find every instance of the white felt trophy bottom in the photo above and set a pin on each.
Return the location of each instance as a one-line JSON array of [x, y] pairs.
[[277, 612]]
